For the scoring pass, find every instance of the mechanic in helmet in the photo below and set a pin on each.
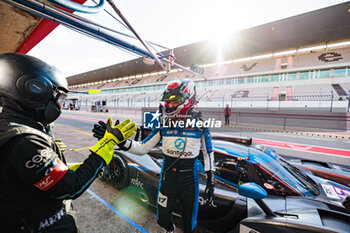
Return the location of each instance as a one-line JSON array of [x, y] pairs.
[[181, 147], [35, 181]]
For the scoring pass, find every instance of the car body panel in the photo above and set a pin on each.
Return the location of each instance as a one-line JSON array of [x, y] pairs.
[[238, 163]]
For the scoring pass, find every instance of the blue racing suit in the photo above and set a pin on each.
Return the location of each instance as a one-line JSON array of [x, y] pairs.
[[179, 174]]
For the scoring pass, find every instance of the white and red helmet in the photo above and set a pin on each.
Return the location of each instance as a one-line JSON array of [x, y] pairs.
[[182, 91]]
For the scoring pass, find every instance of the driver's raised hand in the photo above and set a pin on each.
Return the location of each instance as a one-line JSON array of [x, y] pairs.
[[100, 129], [113, 135]]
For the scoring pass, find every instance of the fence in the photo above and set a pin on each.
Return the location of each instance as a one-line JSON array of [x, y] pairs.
[[310, 102], [295, 120]]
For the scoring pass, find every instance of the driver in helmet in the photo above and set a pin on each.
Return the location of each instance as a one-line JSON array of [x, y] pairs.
[[179, 174], [35, 180]]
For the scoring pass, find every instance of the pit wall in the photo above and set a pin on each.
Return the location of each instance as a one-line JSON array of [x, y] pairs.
[[292, 120]]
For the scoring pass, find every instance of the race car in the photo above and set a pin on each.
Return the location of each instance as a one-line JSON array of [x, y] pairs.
[[256, 190], [329, 171]]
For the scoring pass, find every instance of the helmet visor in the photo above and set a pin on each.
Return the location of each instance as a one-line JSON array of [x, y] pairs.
[[170, 96], [60, 98]]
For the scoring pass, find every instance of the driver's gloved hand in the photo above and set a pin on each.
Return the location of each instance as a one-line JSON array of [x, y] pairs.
[[137, 135], [61, 145], [100, 129], [113, 135], [74, 166], [209, 190]]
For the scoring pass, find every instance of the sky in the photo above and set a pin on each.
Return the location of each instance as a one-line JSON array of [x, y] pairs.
[[171, 23]]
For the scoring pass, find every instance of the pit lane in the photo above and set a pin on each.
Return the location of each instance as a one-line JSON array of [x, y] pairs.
[[104, 209]]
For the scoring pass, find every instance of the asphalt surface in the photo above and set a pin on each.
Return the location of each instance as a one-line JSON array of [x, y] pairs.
[[104, 209]]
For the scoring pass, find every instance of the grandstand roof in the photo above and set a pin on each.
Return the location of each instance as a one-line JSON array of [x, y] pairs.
[[325, 25]]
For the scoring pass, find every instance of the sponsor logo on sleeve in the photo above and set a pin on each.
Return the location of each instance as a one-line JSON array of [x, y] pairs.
[[38, 160], [52, 177]]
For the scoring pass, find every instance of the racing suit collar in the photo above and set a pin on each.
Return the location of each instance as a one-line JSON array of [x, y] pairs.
[[11, 111]]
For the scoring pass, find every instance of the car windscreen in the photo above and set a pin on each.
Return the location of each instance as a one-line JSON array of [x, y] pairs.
[[302, 177], [290, 176], [273, 166]]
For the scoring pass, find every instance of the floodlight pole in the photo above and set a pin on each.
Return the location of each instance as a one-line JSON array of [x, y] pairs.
[[349, 101], [331, 101]]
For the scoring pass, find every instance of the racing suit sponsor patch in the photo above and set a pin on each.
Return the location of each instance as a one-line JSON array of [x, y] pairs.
[[38, 160], [162, 200], [51, 220], [179, 153], [180, 143], [53, 177]]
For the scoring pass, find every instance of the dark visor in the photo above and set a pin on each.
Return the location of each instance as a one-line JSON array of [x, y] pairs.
[[169, 96]]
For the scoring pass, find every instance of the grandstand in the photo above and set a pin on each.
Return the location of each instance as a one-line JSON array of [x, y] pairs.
[[309, 74], [256, 80]]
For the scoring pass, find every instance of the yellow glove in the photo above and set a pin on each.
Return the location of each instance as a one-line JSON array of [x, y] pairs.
[[61, 145], [113, 135], [74, 166]]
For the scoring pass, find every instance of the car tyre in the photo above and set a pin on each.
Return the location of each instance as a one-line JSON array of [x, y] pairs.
[[118, 172]]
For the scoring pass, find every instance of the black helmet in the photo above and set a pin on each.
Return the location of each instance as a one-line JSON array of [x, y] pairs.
[[34, 84]]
